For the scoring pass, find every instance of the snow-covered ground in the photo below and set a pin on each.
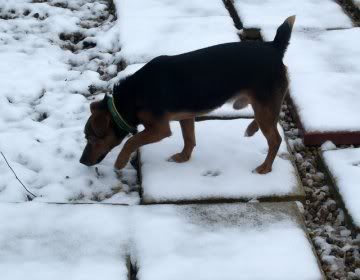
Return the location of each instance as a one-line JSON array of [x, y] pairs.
[[152, 28], [344, 165], [220, 167], [41, 241], [319, 14], [58, 56], [250, 241], [225, 241], [324, 78], [48, 76]]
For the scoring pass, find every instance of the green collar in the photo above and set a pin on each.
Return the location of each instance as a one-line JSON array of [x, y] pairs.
[[119, 120]]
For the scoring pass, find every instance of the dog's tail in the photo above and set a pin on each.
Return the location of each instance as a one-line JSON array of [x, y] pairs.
[[283, 34]]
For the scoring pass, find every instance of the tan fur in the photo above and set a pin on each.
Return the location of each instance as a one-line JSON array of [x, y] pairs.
[[291, 21]]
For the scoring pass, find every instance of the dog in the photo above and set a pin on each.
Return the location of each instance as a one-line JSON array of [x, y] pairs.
[[181, 87]]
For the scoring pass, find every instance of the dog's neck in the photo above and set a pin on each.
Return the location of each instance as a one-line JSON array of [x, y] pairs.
[[124, 101]]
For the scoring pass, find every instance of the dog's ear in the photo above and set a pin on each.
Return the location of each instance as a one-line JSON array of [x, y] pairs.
[[99, 105], [100, 123]]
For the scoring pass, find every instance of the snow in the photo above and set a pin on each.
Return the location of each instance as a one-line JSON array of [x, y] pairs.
[[309, 14], [325, 94], [344, 166], [324, 78], [42, 241], [44, 100], [224, 241], [220, 168], [152, 28], [327, 101], [324, 66], [327, 146], [227, 111]]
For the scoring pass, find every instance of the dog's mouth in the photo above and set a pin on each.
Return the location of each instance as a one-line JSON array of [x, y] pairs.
[[100, 159]]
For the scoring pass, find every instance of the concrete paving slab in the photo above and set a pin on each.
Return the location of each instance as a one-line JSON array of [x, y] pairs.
[[343, 167], [222, 241], [42, 241], [220, 168], [310, 14], [152, 28], [317, 76]]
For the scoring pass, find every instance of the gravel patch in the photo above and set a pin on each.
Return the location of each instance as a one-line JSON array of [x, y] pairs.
[[336, 243], [350, 8]]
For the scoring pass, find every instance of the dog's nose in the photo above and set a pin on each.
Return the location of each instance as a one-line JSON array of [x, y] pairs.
[[82, 161]]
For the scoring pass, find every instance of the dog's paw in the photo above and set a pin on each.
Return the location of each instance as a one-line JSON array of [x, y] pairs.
[[262, 169], [179, 158], [251, 130]]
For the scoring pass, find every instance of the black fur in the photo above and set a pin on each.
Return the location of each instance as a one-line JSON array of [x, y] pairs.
[[204, 79]]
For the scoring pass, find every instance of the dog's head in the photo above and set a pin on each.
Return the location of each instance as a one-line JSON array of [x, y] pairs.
[[101, 133]]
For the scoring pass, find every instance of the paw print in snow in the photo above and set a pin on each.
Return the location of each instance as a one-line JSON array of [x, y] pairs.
[[211, 173]]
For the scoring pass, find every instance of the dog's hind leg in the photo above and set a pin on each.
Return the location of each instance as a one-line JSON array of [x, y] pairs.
[[188, 132], [252, 128], [266, 116]]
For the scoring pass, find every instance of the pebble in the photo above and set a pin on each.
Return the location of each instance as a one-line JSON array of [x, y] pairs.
[[323, 219], [345, 232]]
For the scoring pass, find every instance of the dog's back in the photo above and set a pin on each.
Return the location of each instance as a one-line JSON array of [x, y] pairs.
[[204, 79]]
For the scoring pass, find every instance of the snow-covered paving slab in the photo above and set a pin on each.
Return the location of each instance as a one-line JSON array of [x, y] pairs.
[[160, 27], [310, 14], [329, 85], [344, 168], [324, 83], [48, 78], [219, 169], [227, 111], [222, 241], [42, 241]]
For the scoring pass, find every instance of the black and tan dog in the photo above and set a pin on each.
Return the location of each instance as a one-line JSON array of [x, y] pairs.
[[180, 87]]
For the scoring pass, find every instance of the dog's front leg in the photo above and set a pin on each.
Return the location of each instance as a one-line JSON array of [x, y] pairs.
[[188, 132], [151, 134]]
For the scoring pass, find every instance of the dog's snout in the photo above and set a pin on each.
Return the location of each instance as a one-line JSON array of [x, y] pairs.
[[84, 161]]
